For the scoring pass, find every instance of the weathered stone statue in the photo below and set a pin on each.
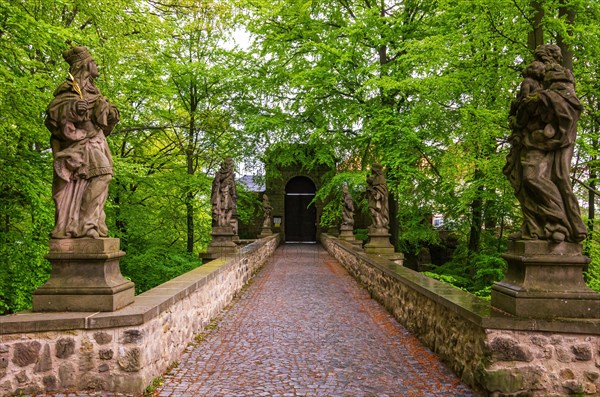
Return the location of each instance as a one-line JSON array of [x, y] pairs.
[[266, 211], [543, 120], [544, 278], [224, 220], [224, 196], [79, 119], [85, 263], [377, 195], [267, 222], [347, 209], [347, 226]]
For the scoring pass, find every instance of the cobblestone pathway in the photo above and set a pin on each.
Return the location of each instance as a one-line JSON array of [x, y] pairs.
[[305, 328]]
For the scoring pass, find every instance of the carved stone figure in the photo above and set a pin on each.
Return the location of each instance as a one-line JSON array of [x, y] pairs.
[[266, 212], [79, 119], [543, 120], [347, 209], [377, 195], [224, 195]]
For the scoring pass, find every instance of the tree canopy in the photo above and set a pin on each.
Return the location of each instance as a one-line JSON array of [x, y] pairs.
[[422, 87]]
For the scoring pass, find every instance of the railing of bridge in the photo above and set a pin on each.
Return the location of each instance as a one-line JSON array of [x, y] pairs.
[[122, 351], [492, 351]]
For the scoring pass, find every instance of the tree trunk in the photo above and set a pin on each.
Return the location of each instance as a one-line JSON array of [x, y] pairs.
[[567, 53], [476, 217], [119, 223], [591, 205], [189, 207], [536, 35], [189, 157], [592, 195], [189, 203], [394, 225]]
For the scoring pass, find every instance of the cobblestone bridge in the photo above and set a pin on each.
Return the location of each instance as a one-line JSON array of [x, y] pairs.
[[305, 328]]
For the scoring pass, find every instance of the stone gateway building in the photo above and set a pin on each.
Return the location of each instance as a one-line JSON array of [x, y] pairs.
[[292, 187]]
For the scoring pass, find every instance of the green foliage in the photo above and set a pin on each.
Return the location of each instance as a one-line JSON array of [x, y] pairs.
[[472, 273], [454, 280], [156, 383], [23, 269], [361, 234], [331, 194], [156, 265], [166, 68], [421, 87], [249, 210], [305, 156], [593, 271]]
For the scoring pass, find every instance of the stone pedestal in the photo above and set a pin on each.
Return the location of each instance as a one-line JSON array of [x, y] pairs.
[[85, 277], [265, 232], [234, 229], [379, 241], [545, 280], [222, 243], [347, 234]]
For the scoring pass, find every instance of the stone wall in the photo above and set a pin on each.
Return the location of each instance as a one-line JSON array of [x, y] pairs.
[[121, 351], [497, 354], [543, 363]]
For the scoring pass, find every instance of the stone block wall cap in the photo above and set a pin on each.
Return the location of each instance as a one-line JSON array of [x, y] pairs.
[[110, 290], [55, 255], [548, 259], [222, 231], [379, 231], [543, 247], [85, 245]]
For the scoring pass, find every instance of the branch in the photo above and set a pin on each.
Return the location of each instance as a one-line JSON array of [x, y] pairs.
[[433, 167], [500, 33], [142, 128], [523, 13], [588, 187], [86, 24], [347, 7]]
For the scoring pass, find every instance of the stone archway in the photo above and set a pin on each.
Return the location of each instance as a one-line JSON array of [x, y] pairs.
[[300, 220]]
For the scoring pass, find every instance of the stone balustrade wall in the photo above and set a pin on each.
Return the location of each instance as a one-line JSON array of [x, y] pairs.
[[121, 351], [496, 354]]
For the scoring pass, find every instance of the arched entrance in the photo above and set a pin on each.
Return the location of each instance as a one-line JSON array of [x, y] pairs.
[[300, 219]]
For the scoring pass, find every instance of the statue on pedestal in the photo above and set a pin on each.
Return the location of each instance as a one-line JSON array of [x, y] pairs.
[[543, 119], [79, 119], [377, 195], [224, 195], [85, 262], [347, 209], [544, 278], [224, 213], [266, 212], [267, 222]]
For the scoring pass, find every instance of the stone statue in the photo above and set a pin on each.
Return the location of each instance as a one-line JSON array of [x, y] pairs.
[[543, 119], [347, 209], [266, 212], [377, 195], [79, 119], [224, 196]]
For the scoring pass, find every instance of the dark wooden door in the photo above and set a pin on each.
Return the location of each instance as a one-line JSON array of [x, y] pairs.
[[300, 218]]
